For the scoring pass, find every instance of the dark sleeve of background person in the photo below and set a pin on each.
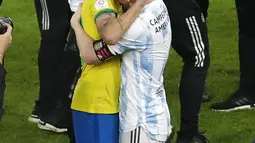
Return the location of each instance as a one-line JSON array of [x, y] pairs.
[[70, 130], [2, 88], [72, 46], [204, 5]]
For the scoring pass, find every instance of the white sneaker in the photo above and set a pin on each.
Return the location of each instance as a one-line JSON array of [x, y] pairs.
[[34, 119], [48, 127]]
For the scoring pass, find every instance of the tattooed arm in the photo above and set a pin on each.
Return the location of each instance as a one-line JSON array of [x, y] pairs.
[[112, 28]]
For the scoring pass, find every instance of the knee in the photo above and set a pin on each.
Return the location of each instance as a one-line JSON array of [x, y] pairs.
[[199, 64]]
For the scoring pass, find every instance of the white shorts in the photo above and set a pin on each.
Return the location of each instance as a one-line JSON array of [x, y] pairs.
[[138, 135]]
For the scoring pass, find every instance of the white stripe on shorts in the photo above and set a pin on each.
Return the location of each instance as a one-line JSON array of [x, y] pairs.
[[137, 135]]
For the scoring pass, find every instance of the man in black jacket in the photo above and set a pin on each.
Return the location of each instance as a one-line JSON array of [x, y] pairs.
[[5, 40]]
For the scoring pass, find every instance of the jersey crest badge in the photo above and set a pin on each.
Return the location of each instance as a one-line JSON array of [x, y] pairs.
[[100, 4]]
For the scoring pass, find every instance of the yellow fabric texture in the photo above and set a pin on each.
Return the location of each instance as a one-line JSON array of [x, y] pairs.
[[98, 88]]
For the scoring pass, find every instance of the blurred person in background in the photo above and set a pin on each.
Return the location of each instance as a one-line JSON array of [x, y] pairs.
[[5, 41], [54, 23], [66, 78], [190, 41], [244, 96], [204, 5], [75, 66]]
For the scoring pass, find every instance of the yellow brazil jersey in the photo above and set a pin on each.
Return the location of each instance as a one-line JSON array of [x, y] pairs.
[[98, 88]]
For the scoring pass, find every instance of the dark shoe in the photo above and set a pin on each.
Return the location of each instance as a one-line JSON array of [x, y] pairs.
[[235, 102], [199, 138], [206, 95], [34, 117], [253, 141]]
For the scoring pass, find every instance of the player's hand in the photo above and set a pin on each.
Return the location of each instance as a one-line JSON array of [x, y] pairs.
[[5, 39], [75, 20]]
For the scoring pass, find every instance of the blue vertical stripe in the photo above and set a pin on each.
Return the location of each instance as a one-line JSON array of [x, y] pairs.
[[123, 97], [150, 109], [137, 77]]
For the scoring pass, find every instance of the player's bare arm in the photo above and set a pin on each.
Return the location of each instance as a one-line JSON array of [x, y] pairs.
[[112, 28], [91, 51], [84, 42]]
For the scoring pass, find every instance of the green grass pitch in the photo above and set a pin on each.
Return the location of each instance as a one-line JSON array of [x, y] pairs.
[[22, 79]]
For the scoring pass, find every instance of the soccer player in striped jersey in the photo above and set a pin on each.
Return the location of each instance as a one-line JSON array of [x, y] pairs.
[[144, 113], [95, 102]]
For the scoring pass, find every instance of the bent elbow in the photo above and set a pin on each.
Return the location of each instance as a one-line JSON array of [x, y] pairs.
[[87, 61], [90, 61]]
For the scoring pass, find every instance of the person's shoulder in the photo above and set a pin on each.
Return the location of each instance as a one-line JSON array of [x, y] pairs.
[[102, 4], [137, 30]]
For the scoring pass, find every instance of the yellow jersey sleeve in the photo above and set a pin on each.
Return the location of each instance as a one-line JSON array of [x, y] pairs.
[[103, 6]]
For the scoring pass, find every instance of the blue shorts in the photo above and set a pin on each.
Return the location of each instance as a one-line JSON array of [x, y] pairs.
[[96, 128]]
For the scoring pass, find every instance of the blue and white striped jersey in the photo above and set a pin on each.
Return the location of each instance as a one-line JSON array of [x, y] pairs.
[[145, 48]]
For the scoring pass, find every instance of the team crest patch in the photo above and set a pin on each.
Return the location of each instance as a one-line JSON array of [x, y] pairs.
[[101, 4]]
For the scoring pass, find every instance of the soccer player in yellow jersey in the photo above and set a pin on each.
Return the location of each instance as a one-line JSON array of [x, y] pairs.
[[95, 102]]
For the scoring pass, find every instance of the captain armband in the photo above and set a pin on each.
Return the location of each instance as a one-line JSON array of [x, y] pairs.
[[102, 50]]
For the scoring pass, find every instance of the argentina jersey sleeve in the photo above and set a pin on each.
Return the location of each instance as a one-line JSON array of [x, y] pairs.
[[134, 39]]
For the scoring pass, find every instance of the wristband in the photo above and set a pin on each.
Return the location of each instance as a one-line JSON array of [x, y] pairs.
[[102, 50]]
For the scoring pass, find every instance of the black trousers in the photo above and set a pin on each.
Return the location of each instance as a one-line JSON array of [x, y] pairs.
[[204, 5], [190, 41], [246, 12], [54, 23], [71, 134], [72, 46], [3, 73], [67, 73]]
